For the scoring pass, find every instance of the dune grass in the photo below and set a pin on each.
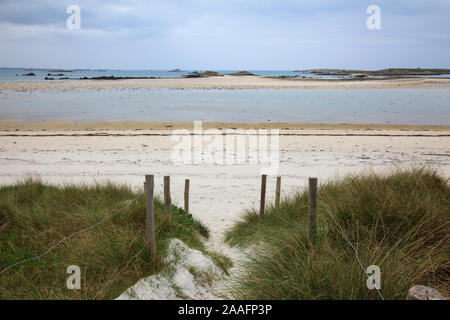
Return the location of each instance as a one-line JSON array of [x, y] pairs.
[[398, 221], [34, 216]]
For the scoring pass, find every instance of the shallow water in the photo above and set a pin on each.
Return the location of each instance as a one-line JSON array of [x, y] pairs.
[[404, 106], [18, 74]]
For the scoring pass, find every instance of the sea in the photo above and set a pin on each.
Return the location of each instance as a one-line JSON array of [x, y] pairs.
[[376, 106], [22, 74], [381, 106]]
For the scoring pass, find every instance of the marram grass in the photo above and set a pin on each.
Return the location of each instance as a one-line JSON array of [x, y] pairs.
[[398, 221], [34, 216]]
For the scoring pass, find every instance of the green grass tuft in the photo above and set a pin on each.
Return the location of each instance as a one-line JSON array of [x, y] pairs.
[[34, 216], [399, 222]]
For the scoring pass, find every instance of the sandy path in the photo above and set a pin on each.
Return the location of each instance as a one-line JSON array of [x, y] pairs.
[[226, 82], [218, 193]]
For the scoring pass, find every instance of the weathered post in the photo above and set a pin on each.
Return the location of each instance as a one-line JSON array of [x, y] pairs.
[[312, 207], [167, 200], [186, 196], [278, 192], [149, 192], [263, 195]]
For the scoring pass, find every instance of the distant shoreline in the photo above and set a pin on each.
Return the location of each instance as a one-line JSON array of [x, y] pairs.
[[229, 83], [13, 126]]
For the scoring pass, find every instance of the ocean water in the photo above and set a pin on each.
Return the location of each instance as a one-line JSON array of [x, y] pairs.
[[18, 74], [392, 106]]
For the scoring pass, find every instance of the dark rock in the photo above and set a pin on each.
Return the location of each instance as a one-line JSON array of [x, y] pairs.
[[242, 73], [116, 78], [204, 74], [194, 74], [210, 74]]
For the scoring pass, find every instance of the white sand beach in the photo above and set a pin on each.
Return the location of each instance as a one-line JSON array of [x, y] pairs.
[[219, 193]]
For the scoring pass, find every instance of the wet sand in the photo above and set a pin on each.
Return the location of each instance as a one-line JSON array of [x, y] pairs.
[[287, 127]]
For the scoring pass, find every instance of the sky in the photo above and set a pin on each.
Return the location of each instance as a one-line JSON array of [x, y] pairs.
[[225, 34]]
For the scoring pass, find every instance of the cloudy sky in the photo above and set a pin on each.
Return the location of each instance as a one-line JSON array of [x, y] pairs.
[[225, 34]]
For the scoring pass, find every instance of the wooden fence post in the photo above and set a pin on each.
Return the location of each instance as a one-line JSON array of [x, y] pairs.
[[167, 200], [149, 192], [186, 196], [263, 195], [312, 207], [278, 192]]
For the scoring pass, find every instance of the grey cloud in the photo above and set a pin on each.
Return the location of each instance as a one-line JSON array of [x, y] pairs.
[[224, 33]]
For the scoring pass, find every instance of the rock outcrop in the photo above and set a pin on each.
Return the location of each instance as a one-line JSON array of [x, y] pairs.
[[424, 293]]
